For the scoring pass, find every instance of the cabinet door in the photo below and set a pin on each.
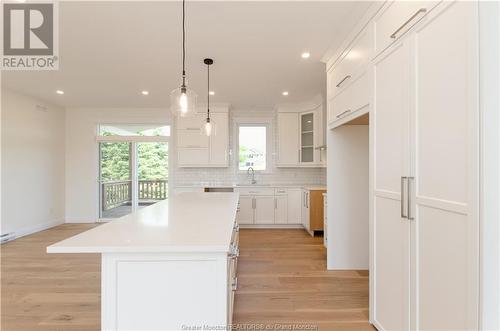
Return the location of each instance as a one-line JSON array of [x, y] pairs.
[[305, 210], [294, 206], [391, 244], [191, 139], [192, 157], [445, 128], [288, 138], [245, 214], [307, 127], [280, 209], [264, 210], [219, 142]]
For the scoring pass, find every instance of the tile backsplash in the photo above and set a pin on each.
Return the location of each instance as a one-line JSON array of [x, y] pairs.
[[230, 175]]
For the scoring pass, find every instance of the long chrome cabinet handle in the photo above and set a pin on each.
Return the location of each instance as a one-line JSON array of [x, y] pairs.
[[403, 200], [343, 113], [420, 11], [411, 182], [343, 80]]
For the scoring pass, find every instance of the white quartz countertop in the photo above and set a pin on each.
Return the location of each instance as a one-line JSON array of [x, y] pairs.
[[186, 222], [311, 187]]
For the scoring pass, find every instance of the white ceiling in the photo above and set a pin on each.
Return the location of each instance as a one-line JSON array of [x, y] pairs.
[[110, 51]]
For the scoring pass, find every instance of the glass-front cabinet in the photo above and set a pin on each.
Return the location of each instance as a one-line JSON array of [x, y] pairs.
[[300, 137], [307, 137]]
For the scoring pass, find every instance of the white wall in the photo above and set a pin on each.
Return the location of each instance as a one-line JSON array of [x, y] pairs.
[[348, 197], [82, 154], [32, 164]]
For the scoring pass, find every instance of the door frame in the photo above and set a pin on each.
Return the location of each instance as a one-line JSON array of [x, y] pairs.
[[133, 141]]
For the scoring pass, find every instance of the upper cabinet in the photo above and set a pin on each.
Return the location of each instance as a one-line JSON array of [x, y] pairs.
[[349, 81], [194, 149], [301, 137], [396, 18]]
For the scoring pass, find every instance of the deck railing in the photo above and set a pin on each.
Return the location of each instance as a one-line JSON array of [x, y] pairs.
[[119, 192]]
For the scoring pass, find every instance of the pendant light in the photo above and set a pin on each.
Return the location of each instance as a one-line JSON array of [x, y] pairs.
[[183, 99], [208, 125]]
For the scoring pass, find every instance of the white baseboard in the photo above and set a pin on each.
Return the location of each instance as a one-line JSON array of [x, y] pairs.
[[80, 220], [271, 226], [36, 228]]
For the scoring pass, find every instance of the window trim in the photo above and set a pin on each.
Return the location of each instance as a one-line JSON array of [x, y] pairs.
[[249, 123], [100, 138]]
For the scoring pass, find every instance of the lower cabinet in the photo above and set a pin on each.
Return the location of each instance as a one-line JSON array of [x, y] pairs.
[[232, 268], [280, 209], [313, 210], [294, 206], [264, 209], [245, 213], [289, 206]]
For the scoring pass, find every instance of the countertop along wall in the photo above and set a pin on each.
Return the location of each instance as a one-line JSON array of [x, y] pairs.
[[181, 177]]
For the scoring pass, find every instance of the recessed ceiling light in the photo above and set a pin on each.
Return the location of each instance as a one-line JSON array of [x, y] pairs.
[[306, 55], [285, 93], [211, 93], [145, 92], [60, 92]]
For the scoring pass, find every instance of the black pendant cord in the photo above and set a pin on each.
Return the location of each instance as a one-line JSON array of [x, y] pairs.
[[208, 94], [184, 43]]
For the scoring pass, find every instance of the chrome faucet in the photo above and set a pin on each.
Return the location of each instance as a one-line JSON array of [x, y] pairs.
[[253, 174]]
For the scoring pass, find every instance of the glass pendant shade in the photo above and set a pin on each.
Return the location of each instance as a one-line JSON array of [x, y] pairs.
[[208, 127], [183, 101]]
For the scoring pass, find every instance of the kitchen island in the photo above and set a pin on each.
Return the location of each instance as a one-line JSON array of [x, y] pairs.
[[170, 266]]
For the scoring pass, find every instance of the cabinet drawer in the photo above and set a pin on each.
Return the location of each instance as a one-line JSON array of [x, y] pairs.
[[255, 190], [353, 97], [191, 139], [356, 57], [396, 18], [280, 191], [192, 156]]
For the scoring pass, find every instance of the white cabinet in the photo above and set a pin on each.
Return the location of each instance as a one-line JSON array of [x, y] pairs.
[[288, 139], [349, 81], [294, 206], [396, 18], [391, 146], [264, 209], [300, 137], [280, 209], [194, 149], [305, 210], [245, 214], [425, 180], [325, 220], [220, 141], [352, 61]]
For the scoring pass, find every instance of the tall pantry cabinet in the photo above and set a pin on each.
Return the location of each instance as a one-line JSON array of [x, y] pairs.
[[424, 156], [425, 168]]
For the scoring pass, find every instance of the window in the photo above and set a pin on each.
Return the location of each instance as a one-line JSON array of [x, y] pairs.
[[145, 130], [252, 140]]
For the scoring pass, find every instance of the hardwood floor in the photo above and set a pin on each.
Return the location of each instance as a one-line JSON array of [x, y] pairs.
[[282, 279], [49, 292], [281, 275]]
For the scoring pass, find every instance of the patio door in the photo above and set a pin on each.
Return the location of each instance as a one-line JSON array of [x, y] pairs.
[[133, 167], [132, 175], [115, 179]]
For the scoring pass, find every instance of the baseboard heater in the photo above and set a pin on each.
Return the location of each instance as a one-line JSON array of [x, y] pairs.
[[6, 237]]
